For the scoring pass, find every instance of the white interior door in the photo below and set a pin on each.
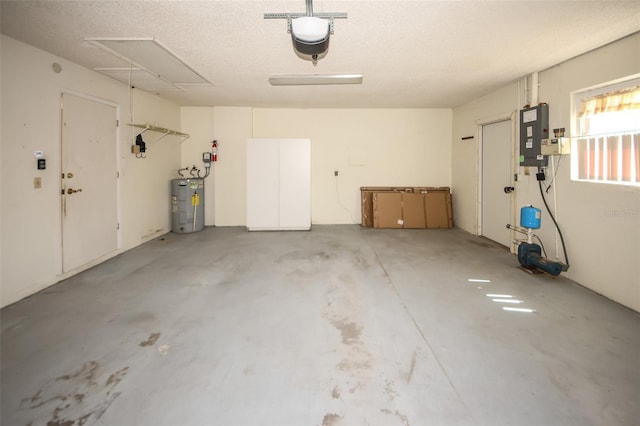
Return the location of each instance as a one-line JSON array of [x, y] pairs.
[[496, 175], [89, 181]]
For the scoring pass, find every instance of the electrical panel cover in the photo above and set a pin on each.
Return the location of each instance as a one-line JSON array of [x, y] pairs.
[[534, 127]]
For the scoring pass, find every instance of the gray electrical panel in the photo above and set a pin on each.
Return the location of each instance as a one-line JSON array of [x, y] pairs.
[[534, 126], [187, 205]]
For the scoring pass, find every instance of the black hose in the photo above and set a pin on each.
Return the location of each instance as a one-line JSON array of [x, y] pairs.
[[544, 200], [207, 169]]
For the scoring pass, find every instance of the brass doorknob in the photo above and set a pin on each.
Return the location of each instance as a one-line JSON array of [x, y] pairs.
[[71, 191]]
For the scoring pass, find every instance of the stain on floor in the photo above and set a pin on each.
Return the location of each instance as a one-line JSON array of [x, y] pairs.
[[153, 338], [412, 367], [402, 417], [86, 373], [390, 391], [331, 419], [116, 377], [350, 331], [335, 393], [74, 398]]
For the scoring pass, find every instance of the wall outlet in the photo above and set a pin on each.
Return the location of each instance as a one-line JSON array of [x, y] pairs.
[[37, 183]]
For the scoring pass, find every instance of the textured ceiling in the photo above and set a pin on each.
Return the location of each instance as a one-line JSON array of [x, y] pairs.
[[434, 54]]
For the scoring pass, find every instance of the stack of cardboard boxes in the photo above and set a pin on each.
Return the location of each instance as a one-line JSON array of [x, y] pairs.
[[406, 207]]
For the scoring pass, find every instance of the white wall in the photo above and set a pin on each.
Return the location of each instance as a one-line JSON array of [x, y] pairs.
[[199, 121], [368, 147], [465, 152], [233, 126], [600, 223], [30, 112], [225, 189]]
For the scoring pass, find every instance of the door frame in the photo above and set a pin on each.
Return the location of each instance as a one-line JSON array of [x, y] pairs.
[[511, 117], [92, 98]]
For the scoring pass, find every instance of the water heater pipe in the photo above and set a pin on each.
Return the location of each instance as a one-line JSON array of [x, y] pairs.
[[555, 205], [534, 88], [195, 216]]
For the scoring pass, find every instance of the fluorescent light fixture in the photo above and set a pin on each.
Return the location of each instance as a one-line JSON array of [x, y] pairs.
[[507, 301], [500, 296], [314, 79], [508, 308], [478, 280]]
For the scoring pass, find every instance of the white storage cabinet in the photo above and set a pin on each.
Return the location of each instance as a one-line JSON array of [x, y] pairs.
[[278, 184]]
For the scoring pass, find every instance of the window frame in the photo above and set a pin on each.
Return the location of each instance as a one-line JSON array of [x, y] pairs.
[[576, 98]]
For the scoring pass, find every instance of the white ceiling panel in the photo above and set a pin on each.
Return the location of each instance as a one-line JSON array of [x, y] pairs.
[[141, 79], [151, 55]]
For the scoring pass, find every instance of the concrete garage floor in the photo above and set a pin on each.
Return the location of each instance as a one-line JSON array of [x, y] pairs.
[[338, 326]]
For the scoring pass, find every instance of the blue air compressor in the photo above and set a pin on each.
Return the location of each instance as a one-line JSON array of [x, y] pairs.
[[530, 254]]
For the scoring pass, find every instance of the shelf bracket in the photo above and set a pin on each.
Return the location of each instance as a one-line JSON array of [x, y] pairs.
[[166, 132]]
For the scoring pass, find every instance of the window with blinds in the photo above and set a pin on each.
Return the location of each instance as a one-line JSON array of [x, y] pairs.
[[606, 136]]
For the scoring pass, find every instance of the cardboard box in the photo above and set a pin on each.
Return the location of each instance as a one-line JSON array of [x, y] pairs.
[[406, 207], [438, 209], [387, 210], [367, 193], [366, 209], [413, 211]]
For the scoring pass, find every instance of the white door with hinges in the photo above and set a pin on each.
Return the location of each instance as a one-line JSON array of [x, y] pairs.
[[496, 176], [89, 180]]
